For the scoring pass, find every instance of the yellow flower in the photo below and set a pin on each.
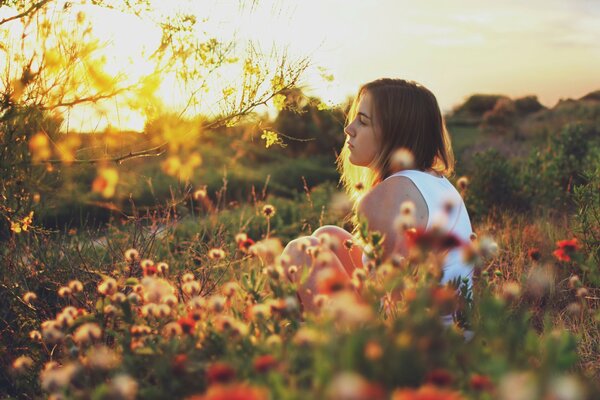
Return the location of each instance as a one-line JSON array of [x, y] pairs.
[[106, 182], [271, 138]]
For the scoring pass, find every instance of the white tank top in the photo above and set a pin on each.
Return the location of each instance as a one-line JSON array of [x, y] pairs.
[[438, 192]]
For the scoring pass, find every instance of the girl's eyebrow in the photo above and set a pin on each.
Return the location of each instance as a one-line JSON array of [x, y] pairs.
[[364, 115]]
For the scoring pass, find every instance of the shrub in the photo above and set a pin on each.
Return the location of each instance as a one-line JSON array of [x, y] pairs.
[[494, 184]]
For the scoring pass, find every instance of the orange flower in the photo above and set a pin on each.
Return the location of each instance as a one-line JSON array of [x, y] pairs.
[[426, 392], [233, 392]]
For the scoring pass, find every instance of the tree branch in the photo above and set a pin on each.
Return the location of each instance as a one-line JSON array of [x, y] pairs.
[[33, 8]]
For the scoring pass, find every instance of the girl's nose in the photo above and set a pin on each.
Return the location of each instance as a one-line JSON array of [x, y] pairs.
[[348, 131]]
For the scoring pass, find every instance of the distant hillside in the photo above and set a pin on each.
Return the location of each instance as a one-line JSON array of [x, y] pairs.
[[479, 107]]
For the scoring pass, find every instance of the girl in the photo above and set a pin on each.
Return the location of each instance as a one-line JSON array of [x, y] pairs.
[[391, 120]]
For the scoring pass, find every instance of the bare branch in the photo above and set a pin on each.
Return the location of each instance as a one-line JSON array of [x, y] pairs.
[[33, 8]]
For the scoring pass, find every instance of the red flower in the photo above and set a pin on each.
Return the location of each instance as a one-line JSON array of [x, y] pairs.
[[565, 249], [264, 363], [220, 372], [150, 270], [480, 382], [439, 377], [187, 324], [245, 245]]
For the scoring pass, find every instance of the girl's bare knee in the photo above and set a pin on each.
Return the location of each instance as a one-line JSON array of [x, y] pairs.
[[331, 230]]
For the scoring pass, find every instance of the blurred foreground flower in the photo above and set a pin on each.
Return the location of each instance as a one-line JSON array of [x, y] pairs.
[[426, 392], [106, 182]]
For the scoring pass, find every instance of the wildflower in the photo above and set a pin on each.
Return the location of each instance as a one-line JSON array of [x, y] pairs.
[[264, 363], [75, 286], [172, 329], [306, 336], [119, 298], [29, 297], [488, 247], [107, 287], [64, 291], [267, 250], [574, 282], [188, 277], [102, 358], [110, 310], [216, 303], [200, 194], [187, 325], [352, 386], [245, 245], [123, 387], [162, 268], [373, 350], [155, 289], [331, 280], [87, 332], [359, 274], [52, 334], [574, 308], [273, 340], [511, 291], [427, 392], [36, 336], [161, 311], [462, 183], [274, 272], [407, 208], [140, 330], [233, 391], [220, 372], [534, 254], [402, 159], [216, 254], [22, 364], [55, 378], [132, 255], [566, 248], [230, 288], [347, 308], [260, 311], [292, 270], [319, 300], [105, 182], [268, 210], [480, 382], [196, 303], [348, 244], [170, 300], [582, 292], [439, 377]]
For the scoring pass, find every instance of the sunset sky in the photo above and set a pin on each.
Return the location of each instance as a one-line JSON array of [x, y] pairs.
[[549, 48]]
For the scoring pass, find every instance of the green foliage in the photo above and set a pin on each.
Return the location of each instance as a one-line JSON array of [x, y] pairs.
[[495, 184], [587, 217], [551, 173]]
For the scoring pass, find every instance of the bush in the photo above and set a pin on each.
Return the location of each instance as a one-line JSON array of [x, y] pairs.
[[550, 174], [494, 184]]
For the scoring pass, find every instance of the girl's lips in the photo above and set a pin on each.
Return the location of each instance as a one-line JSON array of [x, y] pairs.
[[350, 145]]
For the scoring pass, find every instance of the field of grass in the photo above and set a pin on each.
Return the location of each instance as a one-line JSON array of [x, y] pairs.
[[179, 291]]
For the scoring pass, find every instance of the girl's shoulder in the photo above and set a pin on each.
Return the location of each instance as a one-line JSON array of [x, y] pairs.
[[389, 195]]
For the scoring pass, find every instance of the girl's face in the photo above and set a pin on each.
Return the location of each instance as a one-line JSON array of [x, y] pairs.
[[362, 134]]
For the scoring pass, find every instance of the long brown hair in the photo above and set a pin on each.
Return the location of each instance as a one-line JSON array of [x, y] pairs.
[[407, 116]]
